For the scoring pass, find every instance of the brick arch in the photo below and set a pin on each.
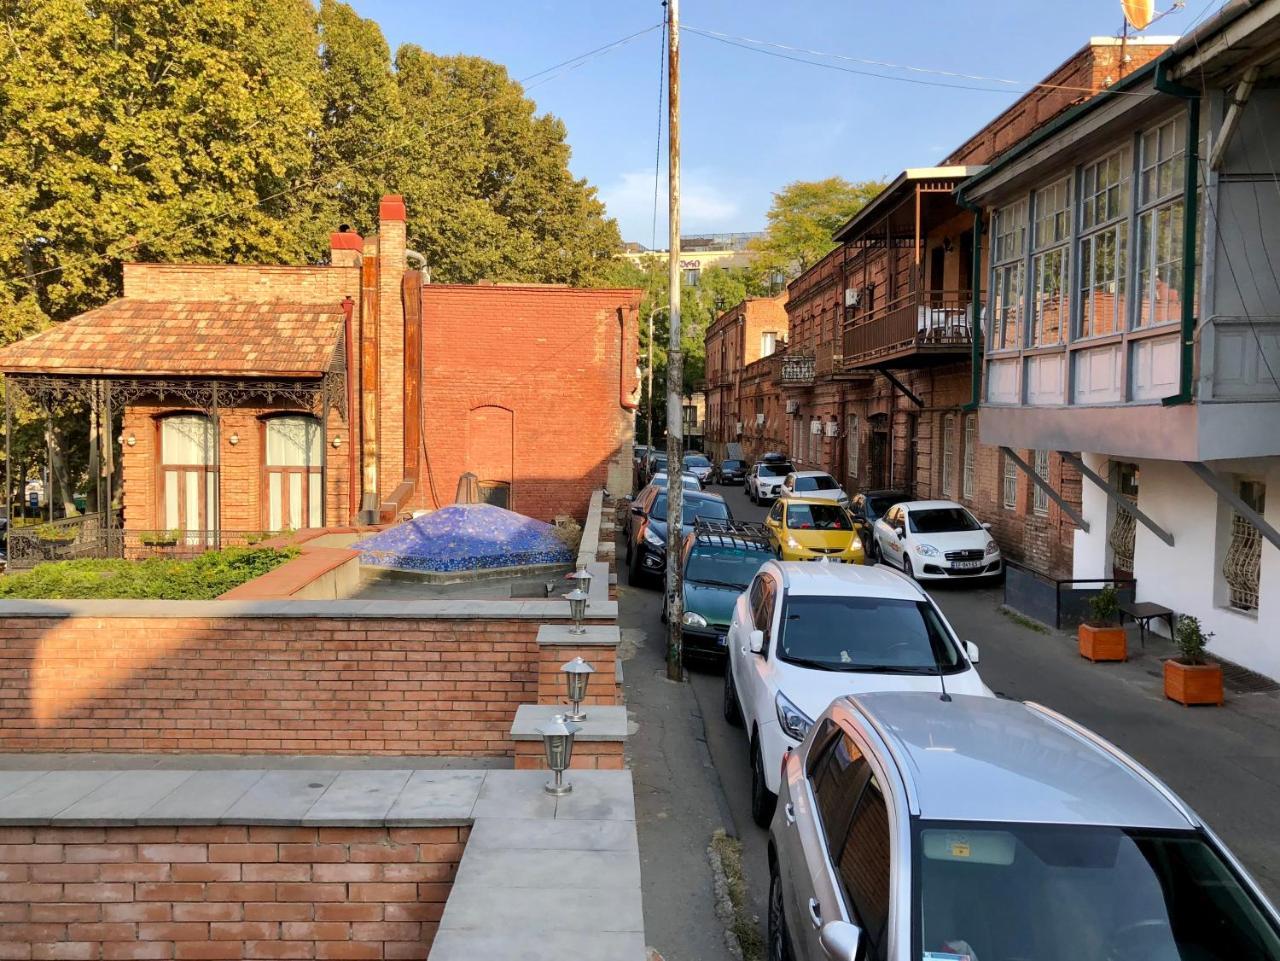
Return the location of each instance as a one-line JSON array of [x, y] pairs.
[[490, 450]]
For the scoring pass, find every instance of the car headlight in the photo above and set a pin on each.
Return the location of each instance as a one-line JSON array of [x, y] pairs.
[[694, 619], [794, 721], [992, 548], [793, 543], [926, 550], [652, 539]]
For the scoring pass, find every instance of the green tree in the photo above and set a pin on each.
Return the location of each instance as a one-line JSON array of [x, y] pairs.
[[802, 219]]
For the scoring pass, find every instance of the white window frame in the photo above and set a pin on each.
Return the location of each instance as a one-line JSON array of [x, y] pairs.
[[948, 454], [969, 473], [1039, 497], [1051, 263], [1009, 484], [1008, 276], [768, 343], [1160, 221]]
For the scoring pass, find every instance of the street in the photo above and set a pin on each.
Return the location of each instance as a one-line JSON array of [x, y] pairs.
[[1225, 762]]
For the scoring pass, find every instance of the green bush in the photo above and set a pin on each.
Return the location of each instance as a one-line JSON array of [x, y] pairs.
[[1104, 607], [1191, 639], [199, 579]]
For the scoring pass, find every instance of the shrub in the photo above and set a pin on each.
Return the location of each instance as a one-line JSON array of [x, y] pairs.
[[1191, 640], [201, 578], [1104, 607]]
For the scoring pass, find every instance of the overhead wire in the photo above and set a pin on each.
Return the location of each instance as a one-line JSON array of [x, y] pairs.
[[546, 75]]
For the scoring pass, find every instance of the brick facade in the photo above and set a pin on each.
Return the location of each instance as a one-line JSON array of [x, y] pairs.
[[734, 341], [224, 892]]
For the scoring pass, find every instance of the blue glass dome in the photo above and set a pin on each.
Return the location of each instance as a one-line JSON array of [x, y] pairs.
[[465, 537]]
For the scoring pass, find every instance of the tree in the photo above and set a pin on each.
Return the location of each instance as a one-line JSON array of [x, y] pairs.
[[802, 219]]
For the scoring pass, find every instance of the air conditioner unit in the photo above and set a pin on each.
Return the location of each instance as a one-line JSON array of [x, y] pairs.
[[851, 297], [793, 406], [833, 428], [759, 420], [815, 427]]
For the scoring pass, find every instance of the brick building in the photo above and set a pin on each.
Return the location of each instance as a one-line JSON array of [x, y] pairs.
[[742, 335], [254, 398], [875, 385]]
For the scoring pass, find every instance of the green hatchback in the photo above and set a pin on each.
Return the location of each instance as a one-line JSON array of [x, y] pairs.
[[720, 558]]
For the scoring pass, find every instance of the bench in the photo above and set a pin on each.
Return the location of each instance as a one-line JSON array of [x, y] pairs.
[[1143, 613]]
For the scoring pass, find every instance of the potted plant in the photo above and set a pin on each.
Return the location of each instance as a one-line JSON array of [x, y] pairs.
[[1101, 637], [160, 538], [1191, 677], [55, 536]]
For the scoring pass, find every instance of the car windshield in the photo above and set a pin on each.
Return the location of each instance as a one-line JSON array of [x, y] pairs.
[[731, 465], [881, 504], [687, 481], [942, 520], [1063, 893], [875, 634], [698, 508], [817, 517], [820, 483], [725, 566], [696, 462], [775, 470]]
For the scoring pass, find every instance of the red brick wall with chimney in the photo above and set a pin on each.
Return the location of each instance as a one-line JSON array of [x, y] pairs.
[[534, 377], [231, 892]]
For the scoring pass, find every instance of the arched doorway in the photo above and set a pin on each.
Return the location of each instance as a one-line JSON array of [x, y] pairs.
[[491, 452]]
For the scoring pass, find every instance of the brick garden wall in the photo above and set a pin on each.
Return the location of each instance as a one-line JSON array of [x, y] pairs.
[[264, 685], [224, 892]]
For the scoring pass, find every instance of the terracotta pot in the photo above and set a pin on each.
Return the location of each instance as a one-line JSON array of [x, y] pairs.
[[1102, 642], [1193, 683]]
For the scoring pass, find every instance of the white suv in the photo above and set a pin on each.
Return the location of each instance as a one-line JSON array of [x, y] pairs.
[[804, 634]]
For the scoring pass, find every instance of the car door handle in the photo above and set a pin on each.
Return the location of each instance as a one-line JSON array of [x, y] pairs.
[[790, 813], [815, 918]]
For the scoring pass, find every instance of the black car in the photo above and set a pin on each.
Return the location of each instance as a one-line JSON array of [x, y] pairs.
[[731, 472], [868, 507], [772, 457], [647, 528]]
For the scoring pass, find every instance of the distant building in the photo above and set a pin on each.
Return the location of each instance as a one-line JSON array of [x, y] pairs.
[[700, 253]]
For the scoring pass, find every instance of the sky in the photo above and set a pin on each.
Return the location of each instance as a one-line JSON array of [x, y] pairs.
[[750, 122]]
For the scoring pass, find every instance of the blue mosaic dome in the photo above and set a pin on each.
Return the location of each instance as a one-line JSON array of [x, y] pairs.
[[465, 537]]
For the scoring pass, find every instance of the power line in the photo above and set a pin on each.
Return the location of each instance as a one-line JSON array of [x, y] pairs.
[[799, 54], [547, 75]]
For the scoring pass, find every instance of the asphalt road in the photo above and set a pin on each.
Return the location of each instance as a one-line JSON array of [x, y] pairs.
[[1225, 762]]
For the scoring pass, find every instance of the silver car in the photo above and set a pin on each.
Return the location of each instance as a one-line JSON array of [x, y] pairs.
[[982, 829]]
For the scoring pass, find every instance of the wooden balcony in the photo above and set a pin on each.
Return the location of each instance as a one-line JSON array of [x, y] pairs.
[[919, 329]]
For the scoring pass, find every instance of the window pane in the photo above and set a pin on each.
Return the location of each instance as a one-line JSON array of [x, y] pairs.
[[191, 495], [838, 789], [295, 499], [315, 499], [275, 500], [186, 439], [293, 442], [171, 506], [864, 865], [1049, 306]]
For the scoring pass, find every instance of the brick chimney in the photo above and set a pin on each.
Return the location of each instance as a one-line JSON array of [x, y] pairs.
[[345, 246], [391, 268]]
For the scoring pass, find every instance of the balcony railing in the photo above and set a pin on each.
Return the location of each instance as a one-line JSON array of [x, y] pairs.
[[918, 323], [86, 536], [797, 370]]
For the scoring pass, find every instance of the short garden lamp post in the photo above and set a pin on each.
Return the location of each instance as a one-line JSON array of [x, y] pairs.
[[577, 674], [557, 741], [581, 580], [577, 599]]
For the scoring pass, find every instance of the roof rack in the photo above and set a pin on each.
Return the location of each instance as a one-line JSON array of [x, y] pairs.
[[725, 532]]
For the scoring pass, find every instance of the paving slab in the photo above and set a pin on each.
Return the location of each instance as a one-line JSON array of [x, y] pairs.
[[528, 912], [42, 798], [549, 868], [357, 797], [203, 798], [514, 794], [123, 799], [462, 945], [518, 834], [280, 797], [604, 722], [595, 634], [438, 796], [598, 795]]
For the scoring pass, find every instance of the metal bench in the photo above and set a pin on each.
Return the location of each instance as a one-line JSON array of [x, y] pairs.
[[1143, 613]]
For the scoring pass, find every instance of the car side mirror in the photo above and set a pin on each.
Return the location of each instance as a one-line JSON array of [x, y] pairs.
[[755, 640], [841, 941], [986, 525], [637, 509], [901, 532], [971, 649]]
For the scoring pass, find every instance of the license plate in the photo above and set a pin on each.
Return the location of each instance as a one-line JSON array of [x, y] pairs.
[[722, 640], [965, 565]]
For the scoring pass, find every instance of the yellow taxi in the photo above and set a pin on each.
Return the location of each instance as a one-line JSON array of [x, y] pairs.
[[809, 529]]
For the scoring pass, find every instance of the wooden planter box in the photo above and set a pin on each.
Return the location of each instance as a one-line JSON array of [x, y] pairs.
[[1102, 643], [1193, 683]]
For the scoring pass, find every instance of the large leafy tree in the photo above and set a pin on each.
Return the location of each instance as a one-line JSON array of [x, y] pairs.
[[802, 218]]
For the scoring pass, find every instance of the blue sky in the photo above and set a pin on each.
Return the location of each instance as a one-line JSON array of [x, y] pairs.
[[752, 123]]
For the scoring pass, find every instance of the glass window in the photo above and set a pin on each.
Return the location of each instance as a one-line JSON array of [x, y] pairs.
[[725, 566], [1160, 265], [851, 443], [1163, 152], [821, 482], [1010, 232], [970, 455], [941, 520], [1103, 272], [1008, 277], [1049, 266], [1242, 567], [1065, 892], [1009, 484], [837, 783], [818, 517], [713, 509], [691, 276], [864, 867], [1039, 499], [948, 454], [293, 442], [186, 439], [866, 634], [1053, 214], [1104, 189], [768, 342]]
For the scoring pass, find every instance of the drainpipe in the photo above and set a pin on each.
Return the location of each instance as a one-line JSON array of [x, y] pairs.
[[1191, 165], [975, 322]]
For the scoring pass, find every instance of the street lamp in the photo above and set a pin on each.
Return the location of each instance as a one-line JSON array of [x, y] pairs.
[[577, 674], [557, 742], [577, 610]]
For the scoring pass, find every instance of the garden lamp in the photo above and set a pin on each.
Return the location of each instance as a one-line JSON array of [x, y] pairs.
[[557, 741], [577, 599], [581, 580], [577, 674]]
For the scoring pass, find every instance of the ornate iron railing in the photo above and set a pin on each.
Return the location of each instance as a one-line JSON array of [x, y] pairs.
[[797, 369], [87, 536]]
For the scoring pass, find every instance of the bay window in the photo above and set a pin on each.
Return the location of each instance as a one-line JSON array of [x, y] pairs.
[[1008, 275], [1104, 211], [1049, 262], [1160, 224]]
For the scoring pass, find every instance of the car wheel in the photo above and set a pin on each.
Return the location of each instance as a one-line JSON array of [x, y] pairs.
[[635, 574], [779, 938], [732, 712], [907, 568], [763, 801], [873, 550]]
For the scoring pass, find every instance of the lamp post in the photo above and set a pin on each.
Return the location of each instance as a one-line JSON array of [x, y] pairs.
[[577, 674], [581, 580], [577, 599], [557, 742]]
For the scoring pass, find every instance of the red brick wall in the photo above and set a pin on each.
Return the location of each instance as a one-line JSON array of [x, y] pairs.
[[224, 892], [561, 361], [241, 468], [264, 685], [305, 285]]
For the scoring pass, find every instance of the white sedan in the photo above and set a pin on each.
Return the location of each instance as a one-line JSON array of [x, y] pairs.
[[687, 481], [813, 484], [935, 540], [804, 634]]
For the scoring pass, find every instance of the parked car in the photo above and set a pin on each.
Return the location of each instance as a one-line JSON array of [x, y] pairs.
[[805, 634], [764, 480], [813, 484], [699, 466], [720, 558], [656, 464], [813, 530], [773, 457], [640, 453], [731, 472], [687, 481], [935, 540], [647, 527], [868, 507], [987, 829]]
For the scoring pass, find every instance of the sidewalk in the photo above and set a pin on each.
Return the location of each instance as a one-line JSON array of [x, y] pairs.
[[1223, 761]]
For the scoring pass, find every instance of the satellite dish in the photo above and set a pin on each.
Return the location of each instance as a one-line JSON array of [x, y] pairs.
[[1139, 13]]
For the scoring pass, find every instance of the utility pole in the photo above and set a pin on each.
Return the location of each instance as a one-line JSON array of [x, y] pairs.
[[675, 361]]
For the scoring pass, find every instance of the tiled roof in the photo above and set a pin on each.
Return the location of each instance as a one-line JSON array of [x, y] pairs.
[[185, 338]]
